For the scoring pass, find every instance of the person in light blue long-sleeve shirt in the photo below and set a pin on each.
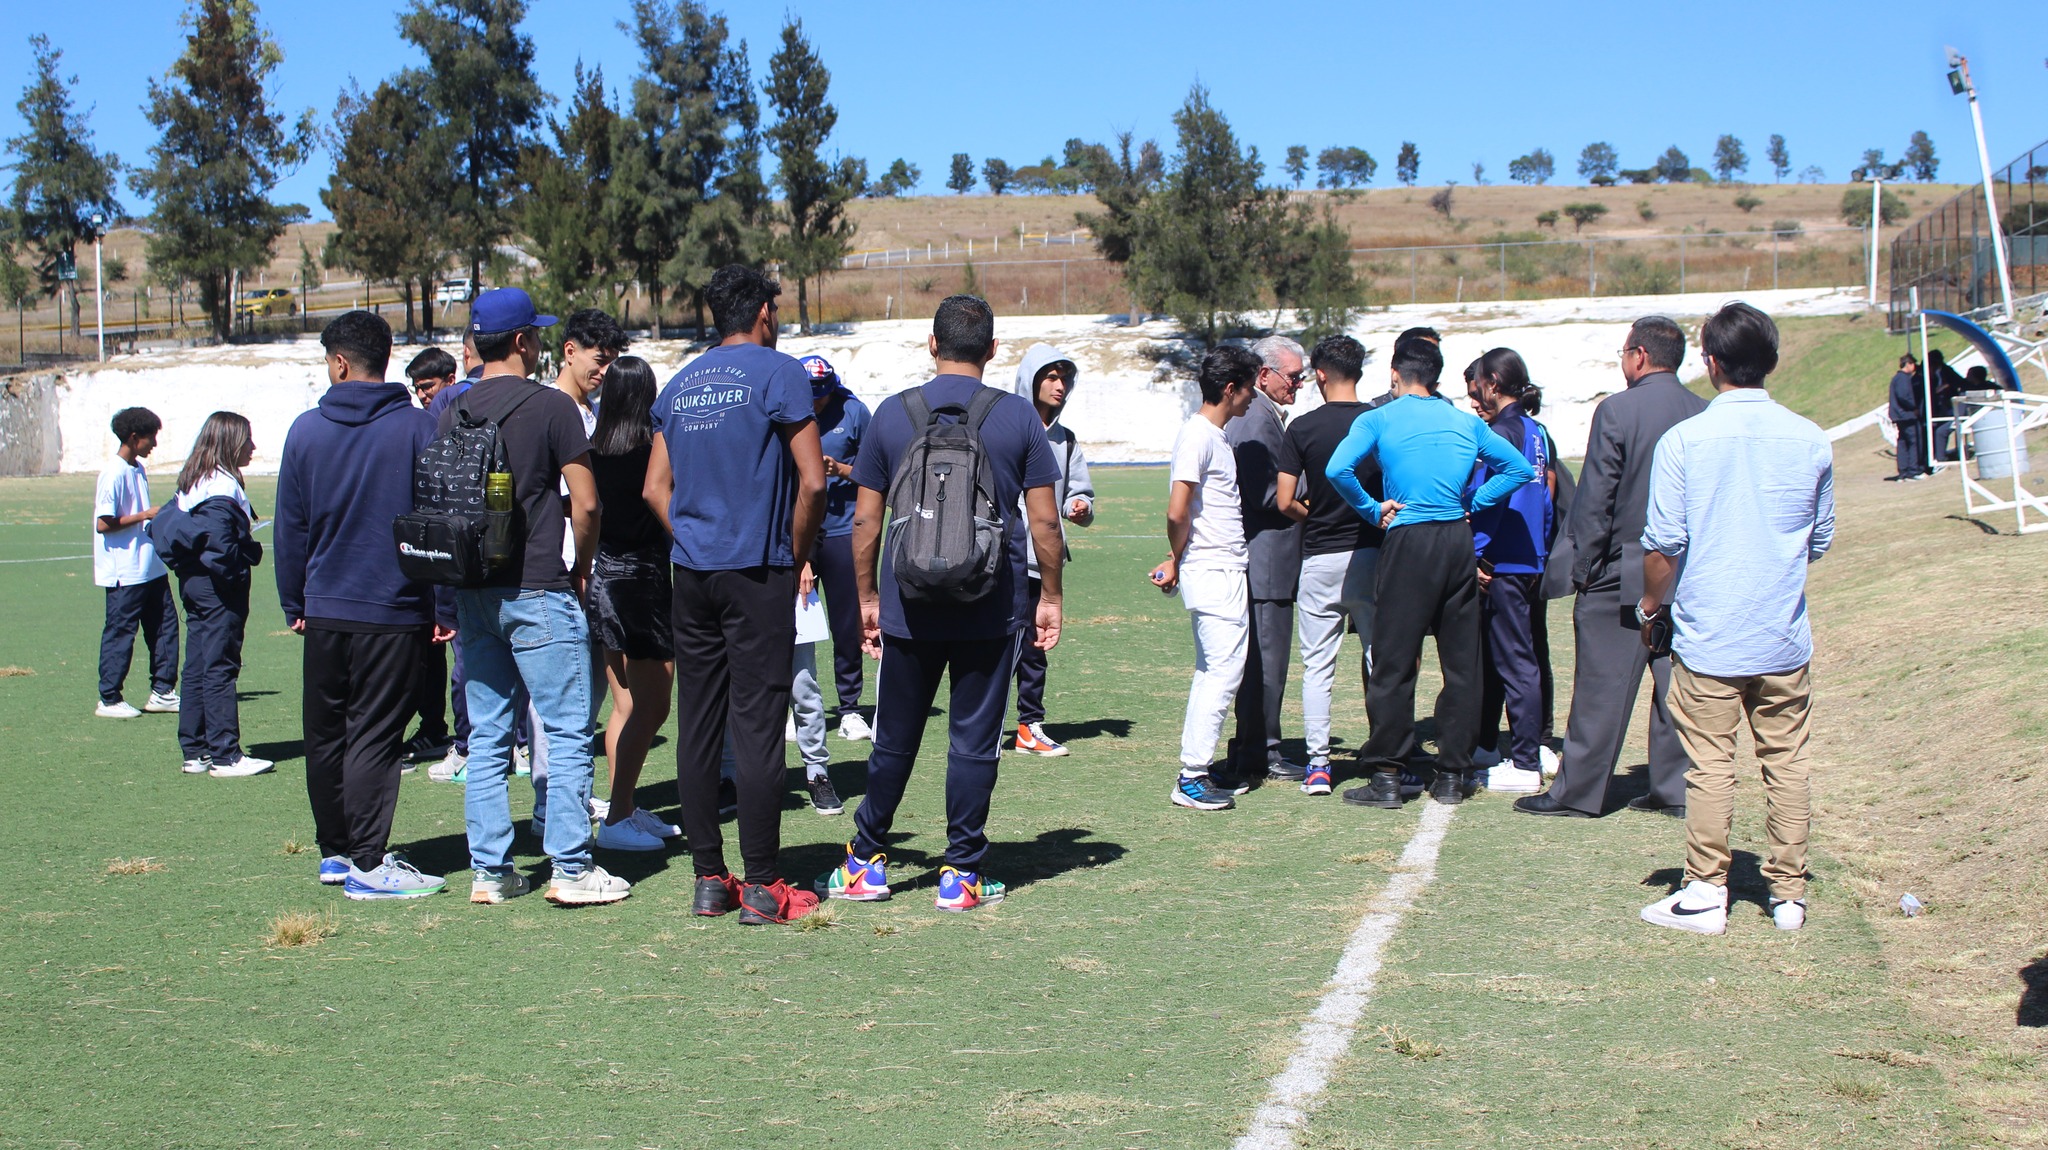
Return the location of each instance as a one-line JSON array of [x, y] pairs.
[[1427, 579]]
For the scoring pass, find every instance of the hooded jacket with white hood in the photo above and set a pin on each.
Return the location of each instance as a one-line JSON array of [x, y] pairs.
[[1074, 483]]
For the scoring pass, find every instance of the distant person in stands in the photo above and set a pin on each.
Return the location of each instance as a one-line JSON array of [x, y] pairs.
[[345, 474], [972, 641], [1273, 558], [1512, 540], [523, 633], [208, 537], [1741, 502], [1340, 548], [629, 601], [431, 372], [1047, 377], [738, 476], [1606, 523], [1903, 407], [1205, 562], [125, 562], [1427, 579], [842, 426]]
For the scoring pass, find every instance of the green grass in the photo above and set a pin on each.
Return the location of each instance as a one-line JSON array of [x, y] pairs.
[[1146, 976], [1835, 368]]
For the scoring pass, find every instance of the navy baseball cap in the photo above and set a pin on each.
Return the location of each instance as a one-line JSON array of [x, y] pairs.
[[505, 309], [823, 379]]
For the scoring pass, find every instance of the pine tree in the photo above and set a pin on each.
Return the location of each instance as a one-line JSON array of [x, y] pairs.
[[562, 215], [1408, 164], [1780, 158], [223, 149], [480, 84], [996, 174], [1297, 163], [818, 233], [389, 164], [1729, 158], [60, 182], [737, 226], [1312, 273], [961, 179]]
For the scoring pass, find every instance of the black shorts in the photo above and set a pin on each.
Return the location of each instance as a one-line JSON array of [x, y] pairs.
[[630, 600]]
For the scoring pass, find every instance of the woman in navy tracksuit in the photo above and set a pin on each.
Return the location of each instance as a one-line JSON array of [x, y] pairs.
[[209, 543]]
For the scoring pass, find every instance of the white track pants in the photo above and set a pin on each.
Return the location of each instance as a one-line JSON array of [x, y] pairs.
[[1217, 605]]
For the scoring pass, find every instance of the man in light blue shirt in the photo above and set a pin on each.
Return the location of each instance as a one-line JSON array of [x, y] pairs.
[[1427, 578], [1741, 501]]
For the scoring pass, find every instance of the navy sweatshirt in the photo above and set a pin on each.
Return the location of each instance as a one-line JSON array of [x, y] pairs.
[[346, 474]]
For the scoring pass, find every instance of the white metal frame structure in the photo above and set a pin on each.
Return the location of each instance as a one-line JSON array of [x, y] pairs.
[[2023, 412]]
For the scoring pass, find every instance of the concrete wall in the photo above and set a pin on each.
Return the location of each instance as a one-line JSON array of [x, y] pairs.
[[30, 439]]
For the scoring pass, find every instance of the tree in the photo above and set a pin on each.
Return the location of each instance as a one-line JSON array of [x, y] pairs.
[[60, 182], [1296, 166], [1856, 208], [1674, 167], [389, 163], [1597, 161], [1344, 167], [1478, 174], [1312, 273], [1812, 174], [479, 82], [1534, 168], [1779, 156], [565, 214], [1440, 202], [996, 174], [961, 178], [1729, 158], [1920, 157], [1408, 163], [899, 179], [1582, 214], [1547, 219], [1748, 203], [223, 148], [817, 232], [1122, 183], [1874, 167]]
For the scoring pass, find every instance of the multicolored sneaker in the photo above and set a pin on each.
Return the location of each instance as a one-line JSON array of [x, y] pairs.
[[965, 889], [334, 870], [1032, 740], [1316, 781], [1198, 793], [395, 877], [857, 879]]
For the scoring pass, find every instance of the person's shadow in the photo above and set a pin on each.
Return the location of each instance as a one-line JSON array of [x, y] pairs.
[[2034, 993], [1018, 864], [1091, 729], [1745, 880]]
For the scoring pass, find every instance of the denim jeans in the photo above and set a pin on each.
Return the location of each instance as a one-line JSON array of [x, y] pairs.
[[538, 641]]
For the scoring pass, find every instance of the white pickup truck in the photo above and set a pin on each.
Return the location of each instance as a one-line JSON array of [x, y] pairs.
[[455, 290]]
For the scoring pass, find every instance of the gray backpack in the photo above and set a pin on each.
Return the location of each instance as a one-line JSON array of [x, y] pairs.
[[947, 528]]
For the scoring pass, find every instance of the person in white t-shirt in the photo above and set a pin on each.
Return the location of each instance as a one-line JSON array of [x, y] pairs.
[[126, 564], [1206, 560]]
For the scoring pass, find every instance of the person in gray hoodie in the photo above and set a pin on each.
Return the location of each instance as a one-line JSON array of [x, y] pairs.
[[1046, 378]]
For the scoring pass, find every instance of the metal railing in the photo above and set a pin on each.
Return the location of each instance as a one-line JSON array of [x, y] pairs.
[[1947, 255]]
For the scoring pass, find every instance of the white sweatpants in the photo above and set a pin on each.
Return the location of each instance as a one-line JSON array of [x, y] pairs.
[[1216, 599], [1333, 588]]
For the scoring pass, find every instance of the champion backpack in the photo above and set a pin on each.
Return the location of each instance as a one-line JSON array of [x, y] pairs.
[[948, 529], [451, 537]]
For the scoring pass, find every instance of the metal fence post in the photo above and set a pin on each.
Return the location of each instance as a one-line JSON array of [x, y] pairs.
[[1503, 272], [1681, 265]]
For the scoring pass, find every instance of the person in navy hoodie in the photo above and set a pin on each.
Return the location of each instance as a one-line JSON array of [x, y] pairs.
[[842, 425], [347, 472]]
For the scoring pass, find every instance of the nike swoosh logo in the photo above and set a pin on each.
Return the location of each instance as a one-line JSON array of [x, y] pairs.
[[1679, 908]]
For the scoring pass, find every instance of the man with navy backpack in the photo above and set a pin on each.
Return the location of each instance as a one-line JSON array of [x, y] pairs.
[[950, 599]]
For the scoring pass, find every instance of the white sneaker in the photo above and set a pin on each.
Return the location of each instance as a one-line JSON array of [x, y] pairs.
[[197, 766], [522, 766], [451, 768], [599, 808], [592, 886], [491, 888], [1788, 914], [627, 835], [1485, 758], [789, 730], [653, 825], [1701, 908], [1548, 761], [241, 768], [118, 710], [1511, 779], [162, 704], [855, 729]]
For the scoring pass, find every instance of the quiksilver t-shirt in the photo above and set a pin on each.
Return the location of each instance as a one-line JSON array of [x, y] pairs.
[[735, 484]]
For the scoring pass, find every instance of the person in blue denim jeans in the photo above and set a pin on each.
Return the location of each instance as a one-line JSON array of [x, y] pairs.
[[524, 631]]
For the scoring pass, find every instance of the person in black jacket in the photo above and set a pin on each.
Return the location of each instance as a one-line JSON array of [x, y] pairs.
[[1902, 407], [207, 539]]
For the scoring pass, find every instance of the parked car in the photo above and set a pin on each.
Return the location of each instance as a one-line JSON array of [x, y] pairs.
[[267, 302], [455, 290]]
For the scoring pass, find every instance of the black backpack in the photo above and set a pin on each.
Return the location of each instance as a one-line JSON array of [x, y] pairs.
[[947, 527], [450, 537]]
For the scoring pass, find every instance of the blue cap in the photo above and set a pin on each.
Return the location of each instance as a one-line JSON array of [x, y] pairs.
[[505, 309], [823, 379]]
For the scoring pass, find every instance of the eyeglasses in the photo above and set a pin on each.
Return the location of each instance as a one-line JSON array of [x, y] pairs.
[[1295, 379]]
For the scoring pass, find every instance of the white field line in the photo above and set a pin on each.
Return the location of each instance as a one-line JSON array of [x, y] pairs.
[[48, 559], [1326, 1035]]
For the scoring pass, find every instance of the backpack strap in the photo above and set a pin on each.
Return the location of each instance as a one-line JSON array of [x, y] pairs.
[[917, 408], [518, 400]]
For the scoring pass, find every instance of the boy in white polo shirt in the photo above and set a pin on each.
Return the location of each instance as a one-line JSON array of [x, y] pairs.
[[125, 563]]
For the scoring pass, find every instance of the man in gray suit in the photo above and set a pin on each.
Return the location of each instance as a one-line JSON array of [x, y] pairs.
[[1608, 510], [1274, 543]]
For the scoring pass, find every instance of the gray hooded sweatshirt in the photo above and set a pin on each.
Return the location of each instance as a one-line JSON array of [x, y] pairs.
[[1074, 483]]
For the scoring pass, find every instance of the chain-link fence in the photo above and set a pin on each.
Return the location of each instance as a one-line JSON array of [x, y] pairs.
[[1947, 257]]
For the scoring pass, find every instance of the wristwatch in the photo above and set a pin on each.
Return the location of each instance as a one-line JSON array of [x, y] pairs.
[[1643, 620]]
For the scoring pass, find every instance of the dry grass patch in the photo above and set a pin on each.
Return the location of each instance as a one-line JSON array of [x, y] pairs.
[[1881, 1056], [1066, 1109], [294, 847], [11, 671], [1081, 964], [135, 866], [823, 918], [297, 928], [1855, 1088], [1407, 1045]]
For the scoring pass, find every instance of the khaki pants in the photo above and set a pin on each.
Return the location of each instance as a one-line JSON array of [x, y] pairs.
[[1707, 711]]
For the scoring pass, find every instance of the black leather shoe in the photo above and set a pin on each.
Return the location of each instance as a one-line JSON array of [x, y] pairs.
[[715, 896], [1383, 791], [1282, 771], [1654, 806], [1448, 788], [1543, 804]]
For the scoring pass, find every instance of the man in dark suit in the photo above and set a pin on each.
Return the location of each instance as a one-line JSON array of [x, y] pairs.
[[1274, 542], [1606, 532], [1903, 406]]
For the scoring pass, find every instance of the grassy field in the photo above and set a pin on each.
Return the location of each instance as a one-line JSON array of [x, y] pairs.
[[1146, 976]]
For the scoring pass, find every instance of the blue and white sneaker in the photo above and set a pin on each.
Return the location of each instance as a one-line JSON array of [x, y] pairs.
[[334, 870], [394, 878], [1198, 792]]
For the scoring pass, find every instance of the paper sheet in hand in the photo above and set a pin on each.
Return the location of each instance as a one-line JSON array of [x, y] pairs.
[[811, 625]]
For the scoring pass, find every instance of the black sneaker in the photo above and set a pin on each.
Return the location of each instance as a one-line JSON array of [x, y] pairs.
[[424, 748], [716, 895], [728, 799], [1448, 788], [1229, 784], [1651, 804], [1282, 771], [824, 799], [1383, 791]]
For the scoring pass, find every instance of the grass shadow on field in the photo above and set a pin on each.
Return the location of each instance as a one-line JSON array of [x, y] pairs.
[[280, 750], [1092, 729]]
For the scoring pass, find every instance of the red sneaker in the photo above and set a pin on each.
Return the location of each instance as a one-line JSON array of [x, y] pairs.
[[776, 902], [1032, 740]]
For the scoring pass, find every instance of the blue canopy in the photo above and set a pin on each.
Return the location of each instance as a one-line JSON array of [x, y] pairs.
[[1995, 358]]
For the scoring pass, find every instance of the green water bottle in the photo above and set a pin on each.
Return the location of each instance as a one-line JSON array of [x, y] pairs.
[[498, 491]]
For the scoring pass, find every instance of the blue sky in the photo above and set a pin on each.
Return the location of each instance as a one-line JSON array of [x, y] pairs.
[[1465, 81]]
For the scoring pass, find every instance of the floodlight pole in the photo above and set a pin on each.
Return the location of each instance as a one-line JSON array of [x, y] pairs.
[[1962, 66], [99, 286], [1876, 202]]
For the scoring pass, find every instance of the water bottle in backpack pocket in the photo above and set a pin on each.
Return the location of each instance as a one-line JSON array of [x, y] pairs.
[[461, 528], [948, 530]]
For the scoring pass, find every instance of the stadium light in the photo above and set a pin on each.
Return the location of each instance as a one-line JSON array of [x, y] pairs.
[[1959, 81], [98, 220]]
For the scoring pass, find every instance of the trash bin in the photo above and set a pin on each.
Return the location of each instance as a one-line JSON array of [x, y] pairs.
[[2000, 452]]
